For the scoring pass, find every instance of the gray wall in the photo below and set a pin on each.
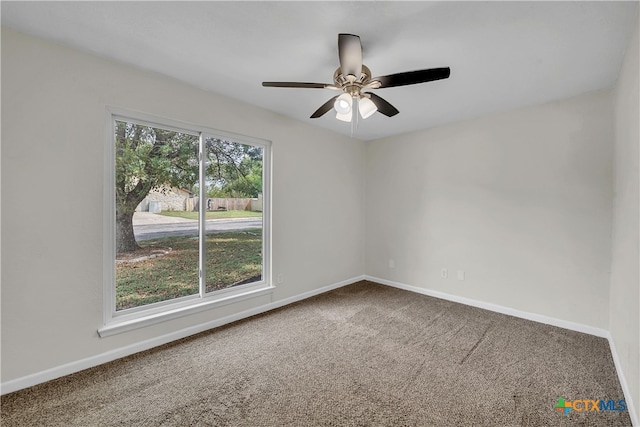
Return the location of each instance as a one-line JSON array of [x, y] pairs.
[[53, 137], [520, 201], [624, 315]]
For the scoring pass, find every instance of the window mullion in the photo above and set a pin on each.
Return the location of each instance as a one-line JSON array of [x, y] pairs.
[[202, 211]]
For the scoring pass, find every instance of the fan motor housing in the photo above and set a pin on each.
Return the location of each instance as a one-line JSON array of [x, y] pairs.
[[353, 88]]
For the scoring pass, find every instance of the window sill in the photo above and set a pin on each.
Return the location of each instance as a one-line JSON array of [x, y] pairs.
[[117, 326]]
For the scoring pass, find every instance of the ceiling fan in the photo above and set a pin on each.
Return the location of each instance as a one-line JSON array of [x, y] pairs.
[[354, 79]]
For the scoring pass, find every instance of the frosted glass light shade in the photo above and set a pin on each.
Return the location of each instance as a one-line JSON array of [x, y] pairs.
[[343, 104], [366, 107], [344, 117]]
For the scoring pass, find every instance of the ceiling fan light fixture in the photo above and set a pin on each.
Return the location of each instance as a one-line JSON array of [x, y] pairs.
[[366, 107], [343, 104]]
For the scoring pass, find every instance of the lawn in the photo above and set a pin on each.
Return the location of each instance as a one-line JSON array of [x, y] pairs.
[[232, 258], [213, 214]]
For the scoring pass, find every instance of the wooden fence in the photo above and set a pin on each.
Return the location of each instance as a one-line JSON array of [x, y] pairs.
[[229, 204], [221, 204]]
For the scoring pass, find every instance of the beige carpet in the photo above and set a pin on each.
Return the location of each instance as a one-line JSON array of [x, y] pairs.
[[362, 355]]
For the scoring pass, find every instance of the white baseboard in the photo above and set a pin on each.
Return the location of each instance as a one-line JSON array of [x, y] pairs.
[[89, 362], [528, 316], [497, 308], [623, 382]]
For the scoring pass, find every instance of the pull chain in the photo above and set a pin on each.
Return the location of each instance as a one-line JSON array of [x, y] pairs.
[[354, 116]]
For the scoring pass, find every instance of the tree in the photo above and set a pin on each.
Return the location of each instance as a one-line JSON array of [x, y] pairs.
[[234, 170], [147, 158], [246, 182]]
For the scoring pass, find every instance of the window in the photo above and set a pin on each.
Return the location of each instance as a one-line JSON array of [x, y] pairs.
[[187, 220]]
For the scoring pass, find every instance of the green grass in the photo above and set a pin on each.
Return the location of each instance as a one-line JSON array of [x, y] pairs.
[[232, 257], [213, 215]]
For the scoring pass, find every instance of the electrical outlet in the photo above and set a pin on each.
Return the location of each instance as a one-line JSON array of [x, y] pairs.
[[392, 264], [460, 274], [444, 273], [280, 279]]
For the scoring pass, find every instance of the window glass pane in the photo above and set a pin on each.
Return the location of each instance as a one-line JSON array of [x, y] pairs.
[[156, 173], [234, 192]]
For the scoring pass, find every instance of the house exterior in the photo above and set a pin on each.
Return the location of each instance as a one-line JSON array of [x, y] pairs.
[[165, 199]]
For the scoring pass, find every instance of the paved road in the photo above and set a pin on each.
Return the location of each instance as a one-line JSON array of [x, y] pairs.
[[154, 231]]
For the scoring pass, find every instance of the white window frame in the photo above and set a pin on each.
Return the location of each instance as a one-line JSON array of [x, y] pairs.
[[125, 320]]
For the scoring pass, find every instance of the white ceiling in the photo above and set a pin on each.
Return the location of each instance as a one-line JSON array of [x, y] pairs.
[[502, 55]]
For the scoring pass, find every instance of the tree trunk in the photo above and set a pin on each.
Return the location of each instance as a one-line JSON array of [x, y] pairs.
[[125, 239]]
